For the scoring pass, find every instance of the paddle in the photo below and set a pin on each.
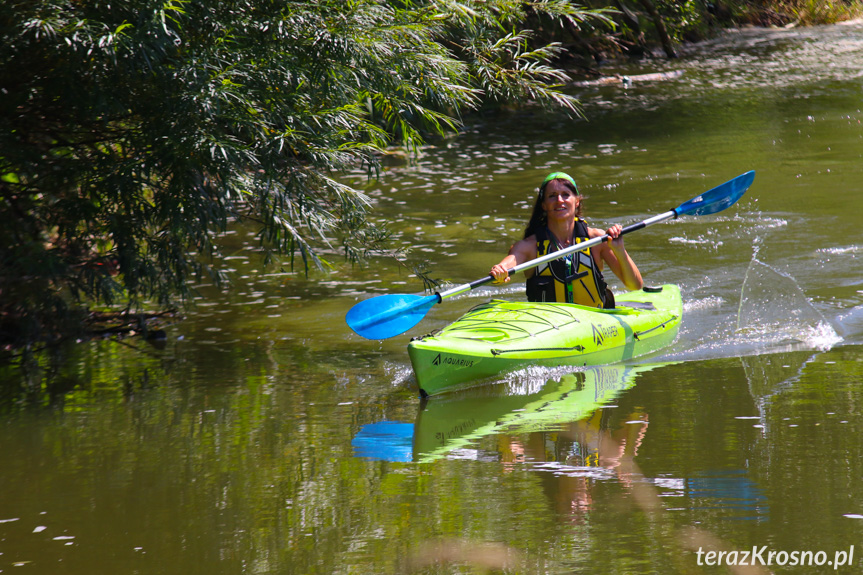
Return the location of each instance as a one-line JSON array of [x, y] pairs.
[[387, 316]]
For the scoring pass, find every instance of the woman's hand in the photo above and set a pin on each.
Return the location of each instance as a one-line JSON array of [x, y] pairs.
[[500, 273], [520, 252], [616, 240]]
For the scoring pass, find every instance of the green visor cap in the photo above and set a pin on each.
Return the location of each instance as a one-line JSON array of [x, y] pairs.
[[559, 176]]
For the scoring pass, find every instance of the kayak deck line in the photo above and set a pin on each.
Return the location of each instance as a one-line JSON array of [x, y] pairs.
[[469, 317], [497, 352], [637, 335]]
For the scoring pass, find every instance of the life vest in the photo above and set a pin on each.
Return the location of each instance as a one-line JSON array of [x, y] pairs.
[[574, 278]]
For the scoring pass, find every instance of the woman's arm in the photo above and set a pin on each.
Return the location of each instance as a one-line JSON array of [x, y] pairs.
[[613, 252], [520, 252]]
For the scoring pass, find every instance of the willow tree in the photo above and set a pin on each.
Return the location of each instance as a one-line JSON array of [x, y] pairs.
[[133, 132]]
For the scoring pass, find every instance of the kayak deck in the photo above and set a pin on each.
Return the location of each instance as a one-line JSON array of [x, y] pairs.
[[501, 336]]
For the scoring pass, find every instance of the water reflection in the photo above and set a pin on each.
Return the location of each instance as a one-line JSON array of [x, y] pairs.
[[571, 405], [569, 435], [728, 493], [768, 375], [450, 426], [385, 441], [569, 432]]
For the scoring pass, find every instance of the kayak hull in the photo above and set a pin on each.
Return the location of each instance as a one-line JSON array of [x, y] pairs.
[[503, 336]]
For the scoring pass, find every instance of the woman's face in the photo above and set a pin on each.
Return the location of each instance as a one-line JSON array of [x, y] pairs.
[[559, 201]]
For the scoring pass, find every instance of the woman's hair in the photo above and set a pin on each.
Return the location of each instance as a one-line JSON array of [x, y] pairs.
[[538, 218]]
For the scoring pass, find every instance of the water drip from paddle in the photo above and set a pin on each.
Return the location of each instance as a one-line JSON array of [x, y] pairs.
[[774, 310]]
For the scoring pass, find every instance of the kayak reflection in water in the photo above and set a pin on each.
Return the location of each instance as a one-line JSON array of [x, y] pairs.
[[556, 223]]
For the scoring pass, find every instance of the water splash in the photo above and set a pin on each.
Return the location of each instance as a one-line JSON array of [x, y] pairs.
[[710, 302], [774, 310]]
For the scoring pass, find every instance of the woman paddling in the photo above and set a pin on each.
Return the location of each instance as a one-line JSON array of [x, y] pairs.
[[555, 224]]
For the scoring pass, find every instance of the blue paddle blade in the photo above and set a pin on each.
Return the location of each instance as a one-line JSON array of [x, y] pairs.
[[389, 315], [718, 198]]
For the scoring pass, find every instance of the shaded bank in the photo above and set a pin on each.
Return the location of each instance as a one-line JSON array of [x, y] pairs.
[[657, 28], [132, 135]]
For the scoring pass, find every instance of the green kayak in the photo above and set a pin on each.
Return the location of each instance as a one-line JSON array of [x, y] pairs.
[[503, 336]]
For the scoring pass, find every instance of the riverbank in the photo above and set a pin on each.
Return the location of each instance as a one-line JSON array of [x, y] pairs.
[[648, 30]]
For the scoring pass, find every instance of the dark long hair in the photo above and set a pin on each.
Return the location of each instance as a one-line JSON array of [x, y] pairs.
[[538, 218]]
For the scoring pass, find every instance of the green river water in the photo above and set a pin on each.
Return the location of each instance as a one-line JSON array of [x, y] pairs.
[[268, 438]]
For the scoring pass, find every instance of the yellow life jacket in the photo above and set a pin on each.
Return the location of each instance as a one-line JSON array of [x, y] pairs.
[[574, 278]]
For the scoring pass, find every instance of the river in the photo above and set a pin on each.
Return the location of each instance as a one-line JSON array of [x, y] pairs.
[[266, 437]]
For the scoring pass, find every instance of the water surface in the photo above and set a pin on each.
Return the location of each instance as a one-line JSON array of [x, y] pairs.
[[245, 446]]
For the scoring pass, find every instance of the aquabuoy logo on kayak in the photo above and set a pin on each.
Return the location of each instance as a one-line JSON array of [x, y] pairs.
[[452, 361]]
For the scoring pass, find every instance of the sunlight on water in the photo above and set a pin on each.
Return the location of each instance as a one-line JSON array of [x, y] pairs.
[[751, 55], [856, 249], [533, 378], [700, 240], [821, 336], [702, 304], [398, 374], [563, 470], [849, 324]]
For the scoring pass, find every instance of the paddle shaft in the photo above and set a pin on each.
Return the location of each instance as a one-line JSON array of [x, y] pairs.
[[555, 255]]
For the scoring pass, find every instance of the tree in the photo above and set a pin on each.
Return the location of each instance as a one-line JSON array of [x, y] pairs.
[[133, 132], [661, 31]]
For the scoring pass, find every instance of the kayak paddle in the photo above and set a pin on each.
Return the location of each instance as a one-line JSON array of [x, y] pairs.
[[389, 315]]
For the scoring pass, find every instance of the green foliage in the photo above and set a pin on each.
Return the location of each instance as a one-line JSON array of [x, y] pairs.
[[134, 132], [683, 19]]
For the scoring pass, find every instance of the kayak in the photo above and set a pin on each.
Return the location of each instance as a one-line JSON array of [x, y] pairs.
[[503, 336]]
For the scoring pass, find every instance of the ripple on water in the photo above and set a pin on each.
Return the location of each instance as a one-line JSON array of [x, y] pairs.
[[841, 250], [699, 241]]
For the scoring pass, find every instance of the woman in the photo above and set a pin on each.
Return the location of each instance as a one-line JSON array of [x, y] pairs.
[[556, 223]]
